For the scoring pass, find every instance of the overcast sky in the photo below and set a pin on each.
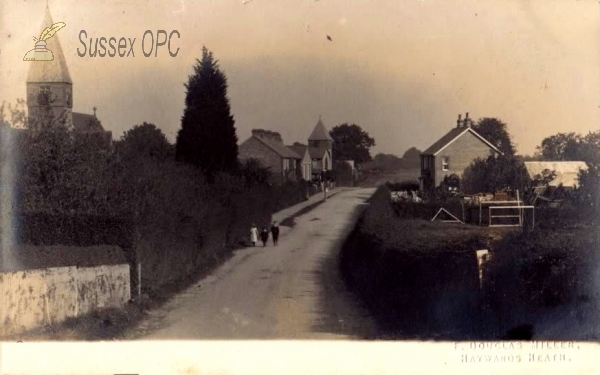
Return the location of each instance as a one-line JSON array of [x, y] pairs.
[[402, 70]]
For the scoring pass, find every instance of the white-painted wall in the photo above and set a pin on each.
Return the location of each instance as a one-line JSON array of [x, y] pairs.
[[34, 298]]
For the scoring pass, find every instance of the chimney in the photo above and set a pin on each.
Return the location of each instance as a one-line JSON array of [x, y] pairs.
[[458, 122], [276, 137], [468, 121]]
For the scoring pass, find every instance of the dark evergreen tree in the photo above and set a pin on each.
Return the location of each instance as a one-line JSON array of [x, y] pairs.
[[207, 138]]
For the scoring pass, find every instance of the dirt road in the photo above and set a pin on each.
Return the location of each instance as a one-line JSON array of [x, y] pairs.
[[291, 291]]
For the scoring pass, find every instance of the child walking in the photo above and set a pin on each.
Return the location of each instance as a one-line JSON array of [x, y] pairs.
[[264, 236], [275, 232], [253, 235]]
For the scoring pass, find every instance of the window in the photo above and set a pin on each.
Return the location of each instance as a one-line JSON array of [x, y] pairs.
[[44, 95], [445, 164], [68, 97], [286, 164]]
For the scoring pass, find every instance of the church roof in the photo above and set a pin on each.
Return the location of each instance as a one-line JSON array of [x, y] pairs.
[[50, 71], [298, 148], [84, 123], [320, 133], [317, 152]]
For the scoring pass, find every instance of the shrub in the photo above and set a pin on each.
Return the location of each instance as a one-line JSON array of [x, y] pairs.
[[543, 268], [418, 279], [403, 186]]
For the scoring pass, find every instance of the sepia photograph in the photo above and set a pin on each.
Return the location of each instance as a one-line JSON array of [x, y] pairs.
[[263, 185]]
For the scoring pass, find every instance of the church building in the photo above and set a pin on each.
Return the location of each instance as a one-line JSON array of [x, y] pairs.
[[50, 94]]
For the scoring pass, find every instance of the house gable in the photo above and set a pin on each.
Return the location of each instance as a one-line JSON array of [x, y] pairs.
[[457, 155], [452, 136]]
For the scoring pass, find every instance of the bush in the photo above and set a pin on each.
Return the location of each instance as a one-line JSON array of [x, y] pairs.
[[544, 268], [419, 279], [403, 186]]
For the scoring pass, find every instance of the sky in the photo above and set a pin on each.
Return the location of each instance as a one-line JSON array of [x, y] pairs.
[[401, 69]]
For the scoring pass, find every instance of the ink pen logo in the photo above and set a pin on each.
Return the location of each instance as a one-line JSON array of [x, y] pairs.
[[40, 52]]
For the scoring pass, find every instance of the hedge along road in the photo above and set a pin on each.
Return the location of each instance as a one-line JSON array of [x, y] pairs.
[[290, 291]]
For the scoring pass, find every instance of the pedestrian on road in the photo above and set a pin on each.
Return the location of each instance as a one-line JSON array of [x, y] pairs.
[[324, 190], [275, 232], [253, 234], [264, 236]]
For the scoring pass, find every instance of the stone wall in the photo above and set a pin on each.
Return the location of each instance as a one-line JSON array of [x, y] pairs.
[[39, 297]]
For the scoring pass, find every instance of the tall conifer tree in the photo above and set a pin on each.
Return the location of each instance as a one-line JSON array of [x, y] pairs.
[[207, 137]]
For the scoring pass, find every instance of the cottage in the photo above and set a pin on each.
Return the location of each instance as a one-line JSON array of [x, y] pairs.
[[268, 149], [320, 149], [304, 164], [452, 153]]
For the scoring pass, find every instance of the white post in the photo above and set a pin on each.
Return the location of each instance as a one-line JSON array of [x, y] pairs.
[[139, 275]]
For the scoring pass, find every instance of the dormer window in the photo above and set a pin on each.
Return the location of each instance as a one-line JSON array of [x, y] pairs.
[[445, 164]]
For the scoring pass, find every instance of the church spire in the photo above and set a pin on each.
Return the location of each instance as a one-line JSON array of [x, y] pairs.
[[319, 133], [50, 71]]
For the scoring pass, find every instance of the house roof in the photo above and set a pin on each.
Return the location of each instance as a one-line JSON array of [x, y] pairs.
[[320, 133], [317, 152], [299, 149], [567, 172], [279, 148], [453, 135], [50, 71], [84, 123]]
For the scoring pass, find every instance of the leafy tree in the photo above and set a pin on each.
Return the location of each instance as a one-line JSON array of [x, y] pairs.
[[343, 172], [351, 142], [412, 158], [387, 162], [145, 140], [562, 146], [588, 194], [494, 174], [495, 131], [14, 116], [207, 138], [589, 148], [412, 153]]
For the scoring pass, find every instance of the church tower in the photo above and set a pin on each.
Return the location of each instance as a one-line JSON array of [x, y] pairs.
[[320, 137], [49, 85], [320, 148]]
